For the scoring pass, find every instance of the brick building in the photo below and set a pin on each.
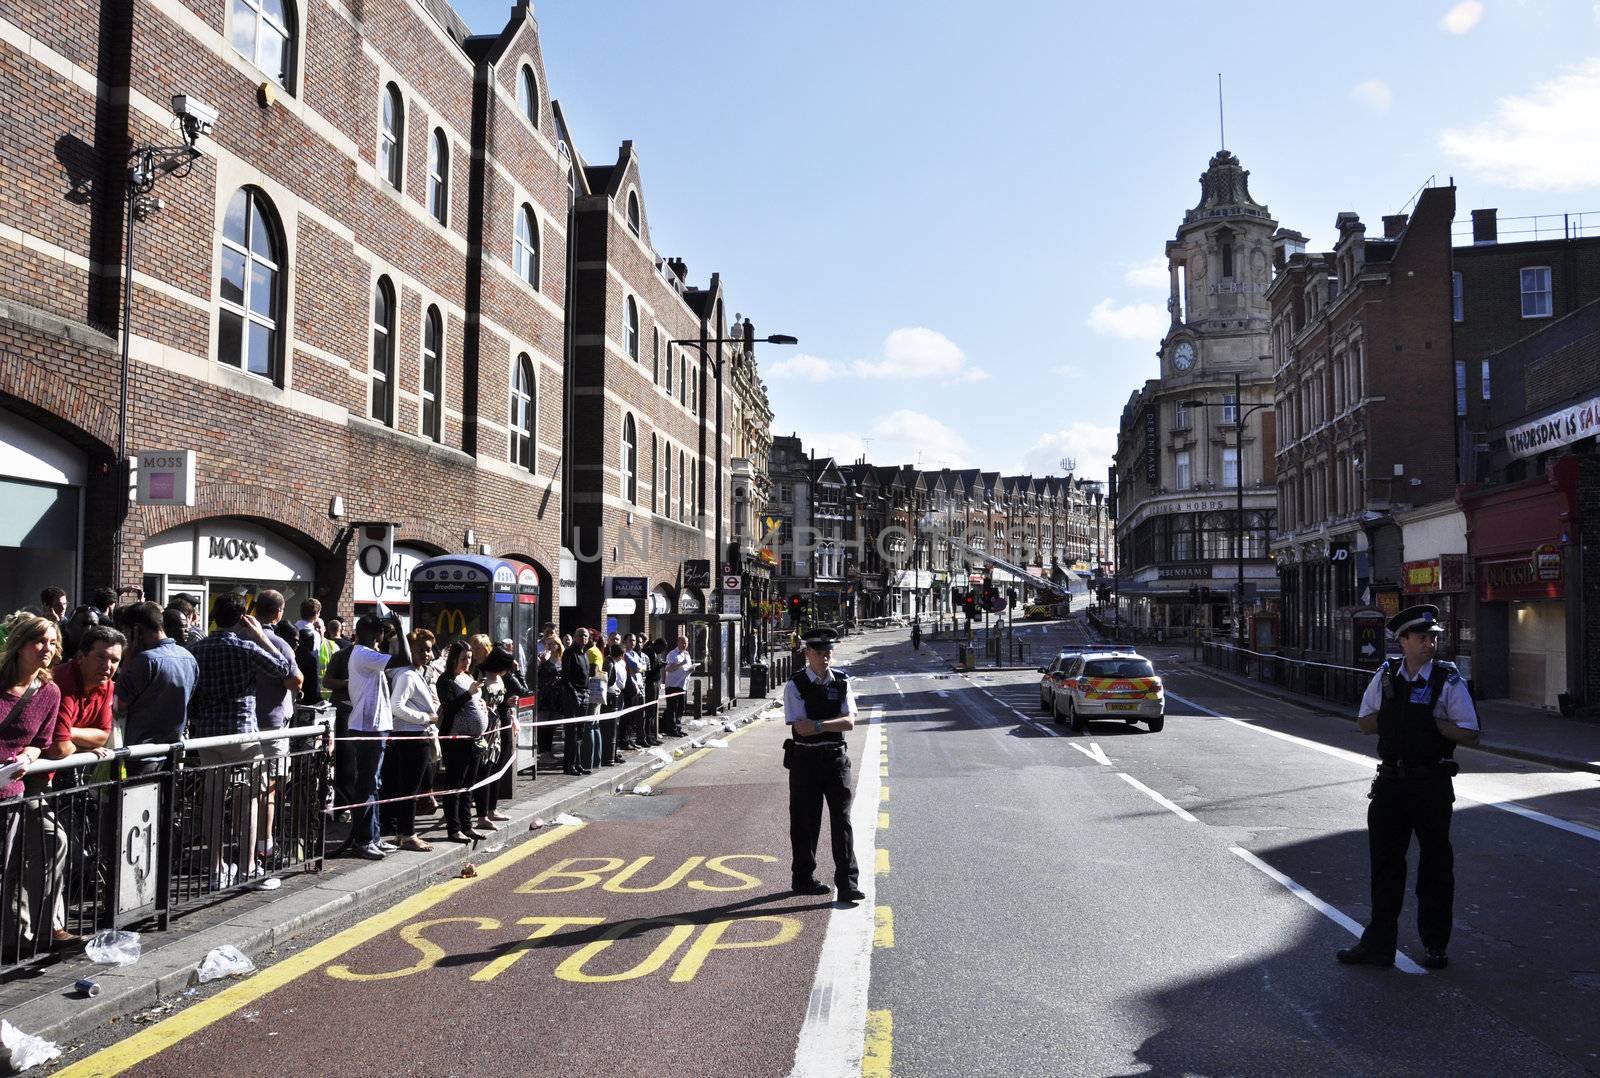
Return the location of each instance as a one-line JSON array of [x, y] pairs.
[[643, 412], [350, 298], [1361, 347], [1533, 518]]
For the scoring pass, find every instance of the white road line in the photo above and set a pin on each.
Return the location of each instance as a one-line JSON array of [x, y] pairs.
[[1157, 798], [833, 1036], [1401, 960], [1093, 751], [1027, 719], [1464, 783]]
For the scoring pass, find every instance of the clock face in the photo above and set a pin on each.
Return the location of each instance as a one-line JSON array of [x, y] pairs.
[[1183, 356]]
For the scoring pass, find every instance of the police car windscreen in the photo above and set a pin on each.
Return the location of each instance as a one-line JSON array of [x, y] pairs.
[[1118, 668]]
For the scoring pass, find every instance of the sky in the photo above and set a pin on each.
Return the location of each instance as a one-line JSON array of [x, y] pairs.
[[960, 209]]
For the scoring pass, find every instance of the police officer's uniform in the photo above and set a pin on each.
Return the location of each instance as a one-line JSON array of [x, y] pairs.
[[1412, 793], [819, 770]]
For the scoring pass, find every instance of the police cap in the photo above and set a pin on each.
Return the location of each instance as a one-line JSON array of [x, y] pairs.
[[820, 639], [1412, 619]]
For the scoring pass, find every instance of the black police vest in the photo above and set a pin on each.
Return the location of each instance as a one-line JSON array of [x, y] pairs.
[[823, 702], [1406, 732]]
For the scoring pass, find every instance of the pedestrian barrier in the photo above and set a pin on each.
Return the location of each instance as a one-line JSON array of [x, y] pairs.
[[87, 849], [1329, 681]]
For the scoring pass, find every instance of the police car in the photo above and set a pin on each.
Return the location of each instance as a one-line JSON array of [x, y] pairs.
[[1051, 678], [1111, 685]]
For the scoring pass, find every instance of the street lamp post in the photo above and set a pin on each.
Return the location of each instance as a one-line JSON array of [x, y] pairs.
[[1240, 413], [747, 337]]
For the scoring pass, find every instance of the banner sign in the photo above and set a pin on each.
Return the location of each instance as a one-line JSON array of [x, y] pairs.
[[1560, 428]]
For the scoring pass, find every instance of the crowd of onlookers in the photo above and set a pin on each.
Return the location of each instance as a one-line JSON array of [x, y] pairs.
[[418, 730]]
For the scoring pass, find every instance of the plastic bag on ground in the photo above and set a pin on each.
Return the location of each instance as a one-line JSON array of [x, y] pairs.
[[644, 789], [113, 948], [225, 961], [695, 724], [716, 743], [566, 819], [24, 1050], [661, 757]]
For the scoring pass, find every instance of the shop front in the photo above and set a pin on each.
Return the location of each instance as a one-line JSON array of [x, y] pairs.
[[392, 589], [223, 555], [1524, 545], [41, 482]]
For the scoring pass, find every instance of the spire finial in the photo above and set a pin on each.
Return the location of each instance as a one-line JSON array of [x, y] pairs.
[[1222, 126]]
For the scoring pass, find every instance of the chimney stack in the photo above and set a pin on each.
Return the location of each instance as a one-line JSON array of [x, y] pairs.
[[1394, 224], [1484, 226]]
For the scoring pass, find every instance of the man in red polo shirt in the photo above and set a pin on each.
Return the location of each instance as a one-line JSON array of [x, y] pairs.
[[87, 690]]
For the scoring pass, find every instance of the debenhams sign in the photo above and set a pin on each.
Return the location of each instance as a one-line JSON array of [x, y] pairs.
[[1562, 428]]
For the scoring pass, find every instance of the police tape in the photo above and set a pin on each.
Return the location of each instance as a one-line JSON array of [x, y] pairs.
[[596, 716], [375, 802]]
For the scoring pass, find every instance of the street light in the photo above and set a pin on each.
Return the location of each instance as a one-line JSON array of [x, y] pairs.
[[748, 338], [148, 164], [1240, 413]]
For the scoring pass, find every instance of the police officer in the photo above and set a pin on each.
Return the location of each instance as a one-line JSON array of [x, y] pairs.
[[819, 706], [1421, 710]]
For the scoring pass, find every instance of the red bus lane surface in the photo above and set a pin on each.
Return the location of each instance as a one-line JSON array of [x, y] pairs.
[[659, 937]]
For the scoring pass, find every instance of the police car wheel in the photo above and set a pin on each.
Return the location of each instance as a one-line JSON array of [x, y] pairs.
[[1079, 723], [1055, 710], [1157, 723], [1045, 705], [1131, 721]]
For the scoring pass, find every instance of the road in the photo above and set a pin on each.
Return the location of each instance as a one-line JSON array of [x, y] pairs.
[[1040, 903]]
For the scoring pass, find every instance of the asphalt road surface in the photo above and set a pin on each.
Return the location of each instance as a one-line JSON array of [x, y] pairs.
[[1114, 902]]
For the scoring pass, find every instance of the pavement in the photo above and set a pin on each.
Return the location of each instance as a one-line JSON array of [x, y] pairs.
[[44, 1002]]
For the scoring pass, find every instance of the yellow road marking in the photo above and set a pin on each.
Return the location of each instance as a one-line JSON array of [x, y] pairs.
[[883, 861], [883, 821], [883, 934], [158, 1038], [883, 772], [678, 765], [883, 793], [878, 1058]]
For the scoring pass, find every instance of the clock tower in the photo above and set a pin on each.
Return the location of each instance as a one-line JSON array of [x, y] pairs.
[[1195, 478]]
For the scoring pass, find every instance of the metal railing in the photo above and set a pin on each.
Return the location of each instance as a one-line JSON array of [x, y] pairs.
[[88, 849], [1329, 681]]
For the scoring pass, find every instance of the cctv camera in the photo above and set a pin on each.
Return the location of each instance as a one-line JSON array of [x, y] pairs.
[[196, 117]]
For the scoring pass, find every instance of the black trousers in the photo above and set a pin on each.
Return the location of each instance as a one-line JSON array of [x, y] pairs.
[[459, 758], [821, 775], [1401, 807], [405, 760], [675, 699]]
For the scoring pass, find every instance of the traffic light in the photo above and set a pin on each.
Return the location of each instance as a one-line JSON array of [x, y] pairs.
[[797, 608], [990, 594], [969, 604]]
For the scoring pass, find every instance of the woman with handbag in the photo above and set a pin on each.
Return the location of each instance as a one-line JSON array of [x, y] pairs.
[[29, 701], [494, 670], [462, 721]]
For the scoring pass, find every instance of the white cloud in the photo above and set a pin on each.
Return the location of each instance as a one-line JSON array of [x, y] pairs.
[[1090, 444], [1150, 274], [807, 367], [919, 352], [901, 437], [1463, 17], [907, 353], [1067, 370], [1132, 321], [1374, 93], [1547, 139]]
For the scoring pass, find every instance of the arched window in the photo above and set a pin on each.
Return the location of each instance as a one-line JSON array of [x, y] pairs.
[[263, 32], [633, 212], [383, 352], [630, 328], [694, 491], [683, 468], [391, 137], [655, 468], [433, 375], [655, 354], [669, 370], [528, 95], [527, 245], [439, 176], [666, 482], [523, 401], [630, 461], [251, 286]]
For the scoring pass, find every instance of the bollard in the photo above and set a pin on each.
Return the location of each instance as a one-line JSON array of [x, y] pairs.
[[697, 703]]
